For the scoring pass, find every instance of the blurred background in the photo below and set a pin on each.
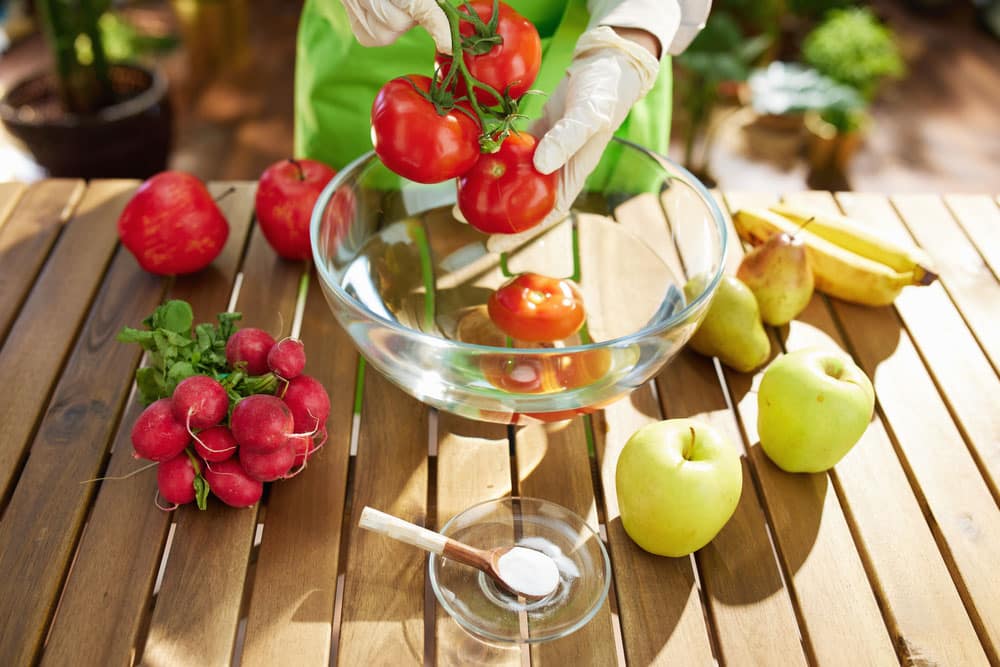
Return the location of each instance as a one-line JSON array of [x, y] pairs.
[[774, 95]]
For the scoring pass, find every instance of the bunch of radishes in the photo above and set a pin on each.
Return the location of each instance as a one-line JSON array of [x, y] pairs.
[[215, 433]]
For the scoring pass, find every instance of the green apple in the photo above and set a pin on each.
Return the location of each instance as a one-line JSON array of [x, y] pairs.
[[813, 405], [678, 483]]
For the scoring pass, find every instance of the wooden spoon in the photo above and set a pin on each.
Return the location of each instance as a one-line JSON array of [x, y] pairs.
[[518, 570]]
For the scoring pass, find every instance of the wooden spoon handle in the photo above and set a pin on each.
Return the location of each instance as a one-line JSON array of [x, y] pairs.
[[404, 531]]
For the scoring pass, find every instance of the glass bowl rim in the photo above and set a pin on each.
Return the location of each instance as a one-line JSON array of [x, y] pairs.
[[583, 620], [628, 339]]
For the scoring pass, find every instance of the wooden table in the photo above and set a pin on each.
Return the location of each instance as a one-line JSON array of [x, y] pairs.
[[890, 557]]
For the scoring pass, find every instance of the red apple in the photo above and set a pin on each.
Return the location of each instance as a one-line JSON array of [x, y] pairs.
[[172, 225], [286, 195]]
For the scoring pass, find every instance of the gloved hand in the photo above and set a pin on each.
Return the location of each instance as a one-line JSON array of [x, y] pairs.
[[381, 22], [607, 76]]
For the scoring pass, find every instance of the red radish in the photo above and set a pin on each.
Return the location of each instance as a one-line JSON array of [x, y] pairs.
[[172, 225], [231, 484], [268, 467], [200, 401], [175, 479], [286, 195], [287, 358], [156, 435], [261, 423], [308, 401], [215, 444], [249, 346]]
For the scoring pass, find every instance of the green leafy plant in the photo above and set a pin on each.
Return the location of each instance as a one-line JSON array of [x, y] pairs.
[[790, 88], [85, 37], [721, 52], [853, 47], [81, 64]]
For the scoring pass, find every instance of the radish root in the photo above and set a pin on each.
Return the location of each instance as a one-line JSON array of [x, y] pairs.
[[131, 474], [202, 442], [156, 501]]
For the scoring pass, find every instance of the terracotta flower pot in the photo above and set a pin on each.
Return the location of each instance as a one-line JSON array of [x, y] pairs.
[[130, 139]]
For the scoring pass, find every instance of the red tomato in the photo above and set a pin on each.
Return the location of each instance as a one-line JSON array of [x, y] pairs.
[[514, 62], [414, 140], [504, 193], [535, 308]]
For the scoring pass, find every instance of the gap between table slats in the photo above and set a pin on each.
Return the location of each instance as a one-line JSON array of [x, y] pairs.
[[958, 366], [980, 218], [119, 554], [938, 461], [964, 273], [71, 446], [292, 603], [196, 618]]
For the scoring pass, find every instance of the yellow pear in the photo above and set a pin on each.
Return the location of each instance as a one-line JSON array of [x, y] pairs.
[[778, 274], [732, 329]]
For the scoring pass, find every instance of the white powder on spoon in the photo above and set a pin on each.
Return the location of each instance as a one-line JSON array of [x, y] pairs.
[[528, 571]]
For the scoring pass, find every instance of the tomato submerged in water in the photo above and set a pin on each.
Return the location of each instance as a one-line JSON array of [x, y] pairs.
[[537, 309], [509, 66], [414, 140], [503, 193]]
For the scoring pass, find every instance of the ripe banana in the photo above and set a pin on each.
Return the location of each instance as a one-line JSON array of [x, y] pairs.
[[837, 271], [848, 234]]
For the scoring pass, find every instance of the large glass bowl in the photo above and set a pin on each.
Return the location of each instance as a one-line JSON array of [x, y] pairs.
[[409, 282]]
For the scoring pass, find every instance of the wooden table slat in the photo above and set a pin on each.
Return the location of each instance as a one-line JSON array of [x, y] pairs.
[[473, 466], [383, 608], [26, 239], [887, 557], [934, 455], [553, 464], [10, 193], [32, 355], [196, 617], [291, 610], [70, 447], [980, 217], [813, 537], [968, 383], [125, 521], [964, 273]]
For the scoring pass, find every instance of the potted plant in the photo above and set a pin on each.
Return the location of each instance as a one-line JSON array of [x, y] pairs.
[[90, 116]]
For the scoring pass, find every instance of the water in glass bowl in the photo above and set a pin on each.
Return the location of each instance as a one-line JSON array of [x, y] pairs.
[[434, 275]]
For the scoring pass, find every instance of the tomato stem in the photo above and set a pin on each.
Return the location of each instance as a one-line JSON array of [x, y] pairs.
[[493, 132]]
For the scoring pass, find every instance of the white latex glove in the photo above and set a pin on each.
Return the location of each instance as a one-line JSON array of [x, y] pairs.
[[607, 76], [381, 22]]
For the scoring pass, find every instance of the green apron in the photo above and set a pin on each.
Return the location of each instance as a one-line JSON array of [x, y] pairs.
[[336, 79]]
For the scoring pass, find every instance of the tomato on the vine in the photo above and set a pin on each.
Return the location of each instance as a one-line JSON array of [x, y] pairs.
[[414, 140], [503, 193], [513, 62], [535, 308]]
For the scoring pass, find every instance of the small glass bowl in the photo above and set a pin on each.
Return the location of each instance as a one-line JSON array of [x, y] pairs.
[[493, 616]]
